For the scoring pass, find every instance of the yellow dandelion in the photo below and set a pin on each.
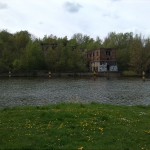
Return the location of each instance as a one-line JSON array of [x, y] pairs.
[[49, 126], [81, 148], [148, 132], [101, 129], [61, 126]]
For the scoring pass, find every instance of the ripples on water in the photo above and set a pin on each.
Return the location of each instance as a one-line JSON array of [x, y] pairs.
[[22, 92]]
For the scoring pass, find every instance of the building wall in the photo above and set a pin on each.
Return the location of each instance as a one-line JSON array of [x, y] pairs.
[[96, 66], [94, 55], [108, 54], [102, 60]]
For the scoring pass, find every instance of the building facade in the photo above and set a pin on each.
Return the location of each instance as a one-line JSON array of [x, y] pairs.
[[102, 60]]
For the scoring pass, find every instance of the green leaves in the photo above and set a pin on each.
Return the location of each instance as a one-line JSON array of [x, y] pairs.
[[33, 57], [20, 51]]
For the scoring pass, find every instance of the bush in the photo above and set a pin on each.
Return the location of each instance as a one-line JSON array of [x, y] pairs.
[[129, 73]]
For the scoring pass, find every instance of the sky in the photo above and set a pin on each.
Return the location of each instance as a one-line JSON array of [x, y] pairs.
[[68, 17]]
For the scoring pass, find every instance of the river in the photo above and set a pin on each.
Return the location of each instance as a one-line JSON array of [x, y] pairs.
[[42, 91]]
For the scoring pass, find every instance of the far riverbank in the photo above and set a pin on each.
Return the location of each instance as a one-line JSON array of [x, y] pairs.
[[46, 73], [53, 74]]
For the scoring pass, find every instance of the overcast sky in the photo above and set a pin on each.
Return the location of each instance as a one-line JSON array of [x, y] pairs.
[[67, 17]]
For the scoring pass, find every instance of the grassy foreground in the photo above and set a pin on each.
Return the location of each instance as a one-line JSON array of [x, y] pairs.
[[76, 126]]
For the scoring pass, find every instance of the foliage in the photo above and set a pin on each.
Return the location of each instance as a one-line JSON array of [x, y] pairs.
[[133, 51], [33, 57], [129, 73], [20, 51], [136, 54], [75, 126]]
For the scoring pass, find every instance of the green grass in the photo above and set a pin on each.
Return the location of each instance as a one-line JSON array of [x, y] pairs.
[[76, 126]]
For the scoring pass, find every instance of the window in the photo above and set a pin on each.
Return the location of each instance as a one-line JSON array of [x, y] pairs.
[[93, 54], [102, 62], [97, 53], [108, 53]]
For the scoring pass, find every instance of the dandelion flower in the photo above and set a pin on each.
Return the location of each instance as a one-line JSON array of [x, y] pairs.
[[81, 148]]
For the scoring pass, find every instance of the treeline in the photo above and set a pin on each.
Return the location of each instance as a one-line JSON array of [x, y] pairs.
[[23, 52]]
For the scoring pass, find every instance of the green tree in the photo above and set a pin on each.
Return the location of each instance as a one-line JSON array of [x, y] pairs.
[[122, 43], [136, 54], [146, 56], [21, 41], [51, 52], [33, 58], [6, 51]]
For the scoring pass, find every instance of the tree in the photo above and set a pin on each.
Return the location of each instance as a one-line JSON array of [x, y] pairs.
[[6, 51], [136, 54], [146, 56], [121, 42], [33, 58]]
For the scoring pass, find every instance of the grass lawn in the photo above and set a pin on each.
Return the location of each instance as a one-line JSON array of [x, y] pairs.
[[76, 126]]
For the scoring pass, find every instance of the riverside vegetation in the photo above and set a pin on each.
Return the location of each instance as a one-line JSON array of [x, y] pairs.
[[76, 126], [23, 52]]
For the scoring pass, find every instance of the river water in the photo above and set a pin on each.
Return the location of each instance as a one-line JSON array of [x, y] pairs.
[[40, 91]]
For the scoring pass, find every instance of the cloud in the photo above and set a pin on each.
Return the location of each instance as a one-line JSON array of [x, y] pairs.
[[3, 5], [72, 7], [111, 15], [115, 0], [40, 23]]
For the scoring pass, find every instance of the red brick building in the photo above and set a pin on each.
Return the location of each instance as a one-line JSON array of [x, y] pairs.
[[103, 59]]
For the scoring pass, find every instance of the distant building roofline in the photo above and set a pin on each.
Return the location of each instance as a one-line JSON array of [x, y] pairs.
[[101, 48]]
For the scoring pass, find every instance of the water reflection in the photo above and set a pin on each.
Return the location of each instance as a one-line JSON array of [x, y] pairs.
[[22, 92]]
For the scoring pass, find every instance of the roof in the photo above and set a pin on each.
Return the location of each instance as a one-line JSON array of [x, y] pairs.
[[102, 48]]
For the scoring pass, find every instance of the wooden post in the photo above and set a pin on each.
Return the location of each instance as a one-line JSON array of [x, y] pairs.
[[143, 76], [107, 74], [94, 75], [9, 74], [49, 74], [108, 67]]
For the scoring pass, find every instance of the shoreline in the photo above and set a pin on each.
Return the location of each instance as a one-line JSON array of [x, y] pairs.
[[72, 103], [68, 74]]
